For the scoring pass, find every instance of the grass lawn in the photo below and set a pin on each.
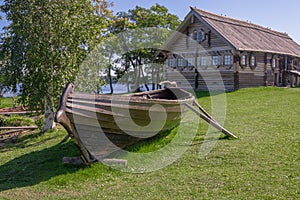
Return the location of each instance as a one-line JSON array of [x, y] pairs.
[[264, 163], [6, 102]]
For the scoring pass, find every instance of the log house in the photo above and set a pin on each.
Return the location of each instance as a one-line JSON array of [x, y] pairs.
[[214, 51]]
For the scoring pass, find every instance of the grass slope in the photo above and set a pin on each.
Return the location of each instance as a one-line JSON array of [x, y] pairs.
[[263, 163]]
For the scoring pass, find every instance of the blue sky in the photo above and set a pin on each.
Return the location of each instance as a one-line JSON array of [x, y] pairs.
[[280, 15]]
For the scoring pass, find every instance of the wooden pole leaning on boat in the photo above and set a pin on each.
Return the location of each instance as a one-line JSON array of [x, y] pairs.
[[206, 117]]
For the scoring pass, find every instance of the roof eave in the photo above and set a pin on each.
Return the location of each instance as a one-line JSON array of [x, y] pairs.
[[268, 51]]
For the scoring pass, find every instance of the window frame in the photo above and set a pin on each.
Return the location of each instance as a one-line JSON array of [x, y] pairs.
[[274, 63], [203, 61], [214, 59], [252, 61], [226, 59], [243, 60], [200, 33], [180, 62], [171, 62]]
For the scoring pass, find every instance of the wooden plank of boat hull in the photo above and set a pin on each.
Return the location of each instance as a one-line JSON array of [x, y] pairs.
[[163, 95], [112, 127], [103, 118], [141, 120], [101, 106], [120, 113]]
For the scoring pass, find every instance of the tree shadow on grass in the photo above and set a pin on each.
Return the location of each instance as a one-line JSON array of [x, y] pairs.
[[35, 167]]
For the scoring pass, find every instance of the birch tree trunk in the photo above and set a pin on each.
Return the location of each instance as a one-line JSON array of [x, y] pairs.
[[49, 116]]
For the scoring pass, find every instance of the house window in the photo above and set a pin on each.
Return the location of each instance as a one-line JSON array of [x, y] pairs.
[[180, 62], [203, 61], [253, 61], [227, 60], [200, 36], [274, 63], [215, 60], [190, 62], [171, 62], [243, 60]]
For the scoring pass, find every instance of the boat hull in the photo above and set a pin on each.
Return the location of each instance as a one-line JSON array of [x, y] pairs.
[[101, 124]]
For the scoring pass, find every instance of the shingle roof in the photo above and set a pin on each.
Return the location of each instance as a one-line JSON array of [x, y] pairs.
[[245, 36]]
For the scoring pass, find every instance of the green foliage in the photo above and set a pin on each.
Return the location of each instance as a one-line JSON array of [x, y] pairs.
[[262, 164], [157, 16], [46, 42], [140, 50]]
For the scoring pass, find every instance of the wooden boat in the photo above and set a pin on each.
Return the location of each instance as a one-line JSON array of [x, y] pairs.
[[100, 124]]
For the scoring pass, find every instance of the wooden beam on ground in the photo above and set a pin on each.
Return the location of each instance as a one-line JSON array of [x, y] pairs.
[[18, 127], [17, 112]]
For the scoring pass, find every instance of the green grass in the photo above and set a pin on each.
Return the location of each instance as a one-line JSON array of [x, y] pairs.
[[264, 163], [15, 120], [6, 102]]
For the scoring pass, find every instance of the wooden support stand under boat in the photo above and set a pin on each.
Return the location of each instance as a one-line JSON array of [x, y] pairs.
[[101, 124]]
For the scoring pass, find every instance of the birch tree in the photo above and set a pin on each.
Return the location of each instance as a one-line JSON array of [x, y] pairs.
[[44, 45]]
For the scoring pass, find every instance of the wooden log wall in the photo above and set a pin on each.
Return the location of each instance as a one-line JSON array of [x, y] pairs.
[[213, 80], [252, 76]]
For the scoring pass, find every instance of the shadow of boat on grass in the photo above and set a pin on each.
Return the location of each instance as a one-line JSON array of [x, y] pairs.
[[35, 167]]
